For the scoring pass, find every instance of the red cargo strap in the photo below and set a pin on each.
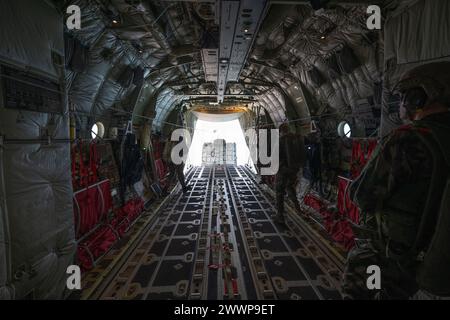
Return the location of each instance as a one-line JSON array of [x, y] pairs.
[[79, 176], [361, 152], [345, 205], [161, 169], [84, 175], [234, 287], [93, 163]]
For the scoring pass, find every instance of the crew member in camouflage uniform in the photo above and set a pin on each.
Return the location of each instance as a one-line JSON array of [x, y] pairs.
[[291, 160], [175, 170], [393, 188]]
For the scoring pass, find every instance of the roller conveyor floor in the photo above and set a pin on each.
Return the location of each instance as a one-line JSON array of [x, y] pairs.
[[218, 242]]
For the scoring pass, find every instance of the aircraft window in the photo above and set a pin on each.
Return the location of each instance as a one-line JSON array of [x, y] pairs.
[[345, 130], [97, 130]]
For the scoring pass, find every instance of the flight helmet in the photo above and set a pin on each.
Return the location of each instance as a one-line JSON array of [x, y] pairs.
[[425, 85]]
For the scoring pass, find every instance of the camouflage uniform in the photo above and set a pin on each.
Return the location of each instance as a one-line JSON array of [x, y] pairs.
[[176, 170], [286, 181], [291, 160], [391, 193]]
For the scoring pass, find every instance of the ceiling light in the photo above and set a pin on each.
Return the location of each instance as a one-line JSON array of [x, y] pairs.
[[115, 21], [245, 30], [322, 37]]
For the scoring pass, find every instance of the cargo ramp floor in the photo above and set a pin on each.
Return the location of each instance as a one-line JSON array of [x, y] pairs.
[[218, 241]]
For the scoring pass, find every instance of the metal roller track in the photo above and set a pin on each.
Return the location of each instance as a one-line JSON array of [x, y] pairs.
[[218, 242], [295, 246]]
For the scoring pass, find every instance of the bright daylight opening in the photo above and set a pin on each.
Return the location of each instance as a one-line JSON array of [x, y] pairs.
[[208, 131]]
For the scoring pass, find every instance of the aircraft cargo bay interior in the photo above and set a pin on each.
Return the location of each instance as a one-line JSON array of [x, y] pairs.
[[224, 150]]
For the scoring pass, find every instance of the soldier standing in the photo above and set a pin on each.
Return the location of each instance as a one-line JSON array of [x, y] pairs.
[[400, 193], [291, 160], [174, 169]]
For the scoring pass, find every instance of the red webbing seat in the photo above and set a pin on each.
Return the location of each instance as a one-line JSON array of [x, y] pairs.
[[95, 246], [125, 215], [84, 175], [342, 233], [91, 205], [361, 152], [335, 223], [313, 202]]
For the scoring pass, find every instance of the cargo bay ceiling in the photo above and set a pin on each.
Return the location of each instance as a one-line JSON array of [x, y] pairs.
[[151, 59]]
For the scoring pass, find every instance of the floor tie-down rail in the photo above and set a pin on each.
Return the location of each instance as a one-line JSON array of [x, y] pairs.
[[218, 241]]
